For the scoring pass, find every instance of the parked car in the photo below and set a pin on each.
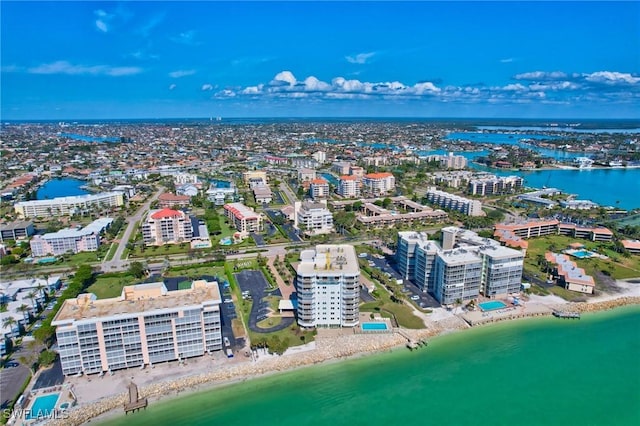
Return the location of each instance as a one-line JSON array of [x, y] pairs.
[[415, 297], [226, 341]]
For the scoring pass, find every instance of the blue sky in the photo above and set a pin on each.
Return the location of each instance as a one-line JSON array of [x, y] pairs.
[[63, 60]]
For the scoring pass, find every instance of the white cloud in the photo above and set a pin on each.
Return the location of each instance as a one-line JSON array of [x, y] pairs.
[[360, 58], [284, 77], [541, 75], [611, 78], [172, 86], [514, 87], [253, 90], [102, 23], [312, 84], [207, 87], [64, 67], [154, 21], [181, 73], [186, 37], [506, 60]]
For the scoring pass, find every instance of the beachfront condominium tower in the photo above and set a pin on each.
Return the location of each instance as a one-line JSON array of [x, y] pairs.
[[145, 325], [328, 288], [457, 276], [462, 267], [415, 258]]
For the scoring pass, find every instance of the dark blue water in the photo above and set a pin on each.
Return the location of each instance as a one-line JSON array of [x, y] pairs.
[[221, 183], [86, 138], [61, 188]]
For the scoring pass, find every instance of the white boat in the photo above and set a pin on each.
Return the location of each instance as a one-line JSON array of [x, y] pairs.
[[583, 162], [615, 163]]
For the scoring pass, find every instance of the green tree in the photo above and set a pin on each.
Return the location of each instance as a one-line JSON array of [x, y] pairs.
[[136, 269]]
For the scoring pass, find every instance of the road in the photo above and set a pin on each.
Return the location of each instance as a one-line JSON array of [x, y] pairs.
[[288, 192], [117, 263]]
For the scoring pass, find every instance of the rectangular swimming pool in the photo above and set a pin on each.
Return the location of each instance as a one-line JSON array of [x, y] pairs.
[[369, 326], [43, 406], [492, 305]]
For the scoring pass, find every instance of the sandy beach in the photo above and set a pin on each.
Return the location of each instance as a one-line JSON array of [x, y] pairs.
[[100, 398]]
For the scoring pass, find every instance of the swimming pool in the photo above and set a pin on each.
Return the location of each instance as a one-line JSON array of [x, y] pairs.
[[226, 241], [43, 406], [47, 260], [581, 254], [369, 326], [492, 305]]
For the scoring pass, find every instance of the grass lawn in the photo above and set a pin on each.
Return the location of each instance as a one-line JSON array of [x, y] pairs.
[[388, 309], [196, 271], [270, 322], [617, 266], [154, 251], [112, 251], [110, 285]]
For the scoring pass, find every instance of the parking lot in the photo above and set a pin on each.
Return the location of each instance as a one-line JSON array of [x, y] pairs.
[[227, 310], [422, 299], [289, 230], [256, 285]]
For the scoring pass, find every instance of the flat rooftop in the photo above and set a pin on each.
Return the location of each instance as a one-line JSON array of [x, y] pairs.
[[136, 299], [329, 259]]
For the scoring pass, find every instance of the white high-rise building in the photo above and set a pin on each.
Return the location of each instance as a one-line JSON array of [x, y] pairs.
[[349, 186], [328, 288]]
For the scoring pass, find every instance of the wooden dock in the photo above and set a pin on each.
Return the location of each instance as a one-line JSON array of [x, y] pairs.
[[135, 402], [566, 315]]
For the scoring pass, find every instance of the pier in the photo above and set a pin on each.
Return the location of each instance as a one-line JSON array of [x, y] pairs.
[[566, 315], [135, 402]]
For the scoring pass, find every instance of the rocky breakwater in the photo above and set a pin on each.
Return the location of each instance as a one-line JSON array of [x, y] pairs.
[[326, 349], [600, 306]]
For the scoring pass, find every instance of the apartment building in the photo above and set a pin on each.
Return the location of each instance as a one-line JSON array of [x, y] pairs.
[[170, 201], [494, 185], [167, 226], [244, 219], [63, 206], [70, 240], [349, 186], [539, 228], [328, 288], [569, 274], [454, 202], [262, 194], [341, 167], [315, 218], [306, 174], [16, 230], [146, 325], [449, 270], [379, 183], [254, 174], [319, 188]]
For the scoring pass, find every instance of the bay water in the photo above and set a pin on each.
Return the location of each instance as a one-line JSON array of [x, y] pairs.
[[528, 372]]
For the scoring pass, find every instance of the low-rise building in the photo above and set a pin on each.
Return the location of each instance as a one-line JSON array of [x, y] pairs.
[[70, 240], [146, 325], [244, 219], [173, 201], [66, 206], [632, 246], [569, 274], [17, 230], [306, 174], [254, 174], [494, 185], [262, 194], [454, 202]]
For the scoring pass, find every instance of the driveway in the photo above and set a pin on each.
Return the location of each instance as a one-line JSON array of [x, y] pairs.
[[50, 377], [11, 381], [256, 284]]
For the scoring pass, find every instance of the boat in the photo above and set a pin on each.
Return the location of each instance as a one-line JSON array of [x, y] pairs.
[[583, 162], [615, 163]]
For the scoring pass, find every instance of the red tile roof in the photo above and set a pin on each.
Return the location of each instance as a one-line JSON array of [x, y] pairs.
[[166, 213]]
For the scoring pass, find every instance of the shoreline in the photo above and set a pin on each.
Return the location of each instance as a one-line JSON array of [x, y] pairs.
[[328, 350]]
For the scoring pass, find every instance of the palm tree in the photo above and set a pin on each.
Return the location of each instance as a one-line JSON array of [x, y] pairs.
[[24, 309], [10, 322], [32, 296]]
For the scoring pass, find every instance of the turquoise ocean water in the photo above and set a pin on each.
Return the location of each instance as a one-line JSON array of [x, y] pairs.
[[530, 372]]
